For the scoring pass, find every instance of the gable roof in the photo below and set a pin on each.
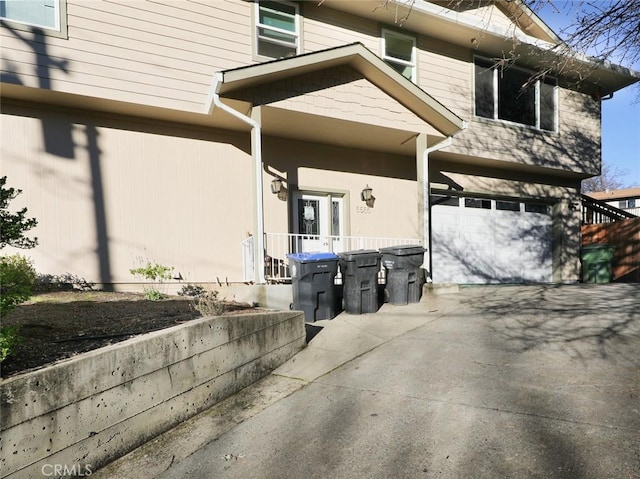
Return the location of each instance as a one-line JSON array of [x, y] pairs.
[[528, 20], [361, 59], [626, 193]]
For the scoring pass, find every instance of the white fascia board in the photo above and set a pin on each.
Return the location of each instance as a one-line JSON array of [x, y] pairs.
[[360, 58], [475, 23]]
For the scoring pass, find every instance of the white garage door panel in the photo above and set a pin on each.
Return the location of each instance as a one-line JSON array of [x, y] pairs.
[[479, 245]]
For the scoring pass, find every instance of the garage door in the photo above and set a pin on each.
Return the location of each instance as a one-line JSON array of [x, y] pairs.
[[476, 240]]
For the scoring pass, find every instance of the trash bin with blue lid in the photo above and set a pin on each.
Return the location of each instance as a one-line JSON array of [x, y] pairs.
[[403, 274], [359, 271], [312, 279]]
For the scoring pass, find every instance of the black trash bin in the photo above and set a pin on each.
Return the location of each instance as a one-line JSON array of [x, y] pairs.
[[359, 271], [312, 278], [402, 268]]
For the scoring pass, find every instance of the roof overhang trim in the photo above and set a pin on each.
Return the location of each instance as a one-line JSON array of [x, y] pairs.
[[357, 56]]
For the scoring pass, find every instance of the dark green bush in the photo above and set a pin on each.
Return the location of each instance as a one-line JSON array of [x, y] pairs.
[[17, 281]]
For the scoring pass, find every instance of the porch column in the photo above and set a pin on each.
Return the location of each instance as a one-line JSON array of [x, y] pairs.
[[257, 183], [424, 219]]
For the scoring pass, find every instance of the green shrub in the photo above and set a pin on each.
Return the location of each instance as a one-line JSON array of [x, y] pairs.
[[155, 273], [9, 339], [13, 226], [17, 281]]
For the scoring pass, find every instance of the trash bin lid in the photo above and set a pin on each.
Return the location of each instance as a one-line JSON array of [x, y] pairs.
[[597, 246], [312, 256], [597, 252], [351, 255], [403, 250]]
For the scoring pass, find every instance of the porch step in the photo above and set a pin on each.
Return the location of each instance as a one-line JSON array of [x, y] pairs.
[[440, 288]]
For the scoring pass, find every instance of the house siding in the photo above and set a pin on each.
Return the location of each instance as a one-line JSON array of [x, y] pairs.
[[446, 72], [574, 147], [327, 28], [340, 93], [141, 52], [165, 54]]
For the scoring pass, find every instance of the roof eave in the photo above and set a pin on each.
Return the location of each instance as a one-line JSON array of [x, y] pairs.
[[362, 60]]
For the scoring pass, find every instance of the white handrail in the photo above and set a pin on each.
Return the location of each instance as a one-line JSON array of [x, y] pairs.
[[278, 245]]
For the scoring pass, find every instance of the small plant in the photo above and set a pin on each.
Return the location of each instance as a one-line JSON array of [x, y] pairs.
[[208, 304], [155, 273], [191, 290], [154, 295], [17, 280], [9, 339]]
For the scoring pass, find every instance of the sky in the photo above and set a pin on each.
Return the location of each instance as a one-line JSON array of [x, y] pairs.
[[620, 115]]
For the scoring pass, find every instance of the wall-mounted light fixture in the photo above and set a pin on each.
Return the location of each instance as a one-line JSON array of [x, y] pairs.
[[367, 196], [277, 188]]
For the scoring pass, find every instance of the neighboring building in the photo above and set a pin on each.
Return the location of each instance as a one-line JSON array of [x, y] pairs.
[[156, 130], [627, 199]]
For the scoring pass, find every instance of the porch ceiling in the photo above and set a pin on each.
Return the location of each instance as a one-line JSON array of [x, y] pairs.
[[358, 57], [333, 131]]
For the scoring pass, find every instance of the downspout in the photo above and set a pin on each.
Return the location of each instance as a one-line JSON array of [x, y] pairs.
[[426, 210], [256, 146]]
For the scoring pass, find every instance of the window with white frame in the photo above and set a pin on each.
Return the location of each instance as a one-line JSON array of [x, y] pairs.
[[45, 14], [277, 29], [399, 51], [500, 95]]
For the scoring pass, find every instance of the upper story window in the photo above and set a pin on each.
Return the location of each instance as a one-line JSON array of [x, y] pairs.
[[499, 95], [277, 29], [44, 14], [399, 51], [631, 203]]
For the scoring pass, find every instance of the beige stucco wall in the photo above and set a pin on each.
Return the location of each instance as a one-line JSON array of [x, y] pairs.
[[345, 171], [109, 193], [112, 192]]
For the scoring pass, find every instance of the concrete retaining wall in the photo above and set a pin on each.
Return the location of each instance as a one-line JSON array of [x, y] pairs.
[[84, 412]]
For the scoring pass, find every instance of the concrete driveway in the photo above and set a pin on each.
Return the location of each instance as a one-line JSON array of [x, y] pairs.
[[490, 382]]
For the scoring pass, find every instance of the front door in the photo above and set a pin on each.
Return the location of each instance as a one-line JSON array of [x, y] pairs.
[[318, 219]]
